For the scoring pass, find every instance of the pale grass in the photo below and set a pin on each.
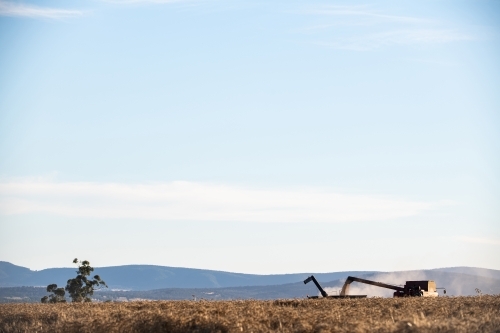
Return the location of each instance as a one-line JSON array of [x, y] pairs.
[[443, 314]]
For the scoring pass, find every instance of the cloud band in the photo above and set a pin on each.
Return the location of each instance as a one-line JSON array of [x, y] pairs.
[[178, 201], [22, 10]]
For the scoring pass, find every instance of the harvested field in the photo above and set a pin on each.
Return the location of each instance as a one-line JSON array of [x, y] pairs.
[[443, 314]]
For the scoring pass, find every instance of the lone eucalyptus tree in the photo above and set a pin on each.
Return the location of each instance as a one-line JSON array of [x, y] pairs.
[[80, 288]]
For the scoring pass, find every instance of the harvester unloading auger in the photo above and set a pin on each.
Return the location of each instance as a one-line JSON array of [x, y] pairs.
[[425, 288], [323, 292]]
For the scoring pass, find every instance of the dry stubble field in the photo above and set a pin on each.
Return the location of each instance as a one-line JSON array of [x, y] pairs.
[[443, 314]]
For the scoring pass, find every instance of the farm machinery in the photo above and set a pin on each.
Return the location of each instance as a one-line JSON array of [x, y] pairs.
[[425, 288], [323, 292]]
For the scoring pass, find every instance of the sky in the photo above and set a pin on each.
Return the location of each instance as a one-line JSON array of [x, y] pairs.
[[256, 137]]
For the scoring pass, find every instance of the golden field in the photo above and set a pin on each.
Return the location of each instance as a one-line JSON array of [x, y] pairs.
[[443, 314]]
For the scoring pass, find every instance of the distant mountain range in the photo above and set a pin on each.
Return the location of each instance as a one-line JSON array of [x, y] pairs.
[[159, 282], [148, 277]]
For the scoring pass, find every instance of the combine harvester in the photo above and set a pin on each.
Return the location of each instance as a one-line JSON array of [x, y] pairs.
[[410, 289]]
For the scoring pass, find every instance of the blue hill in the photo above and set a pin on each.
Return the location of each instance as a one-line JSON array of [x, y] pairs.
[[147, 277]]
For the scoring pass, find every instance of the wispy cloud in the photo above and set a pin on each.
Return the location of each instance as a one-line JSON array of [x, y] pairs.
[[23, 10], [149, 1], [480, 240], [177, 201], [363, 28], [362, 12], [370, 41]]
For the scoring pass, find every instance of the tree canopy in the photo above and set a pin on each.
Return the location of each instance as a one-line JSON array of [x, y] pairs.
[[80, 288], [57, 295]]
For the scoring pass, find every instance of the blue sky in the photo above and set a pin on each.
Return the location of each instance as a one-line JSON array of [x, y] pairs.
[[260, 137]]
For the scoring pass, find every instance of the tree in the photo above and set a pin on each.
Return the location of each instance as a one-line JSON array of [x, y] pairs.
[[81, 288], [57, 295]]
